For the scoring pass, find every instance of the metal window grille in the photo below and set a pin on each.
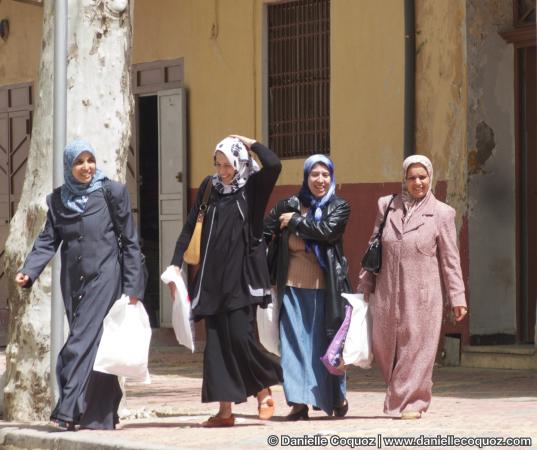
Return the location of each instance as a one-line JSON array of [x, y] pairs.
[[299, 78], [524, 12]]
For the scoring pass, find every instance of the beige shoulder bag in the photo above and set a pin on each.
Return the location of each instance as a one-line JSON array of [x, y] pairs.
[[192, 253]]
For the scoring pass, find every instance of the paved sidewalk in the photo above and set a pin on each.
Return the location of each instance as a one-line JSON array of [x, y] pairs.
[[166, 414]]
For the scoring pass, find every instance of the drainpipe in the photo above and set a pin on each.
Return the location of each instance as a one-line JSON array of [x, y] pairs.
[[410, 79], [59, 138]]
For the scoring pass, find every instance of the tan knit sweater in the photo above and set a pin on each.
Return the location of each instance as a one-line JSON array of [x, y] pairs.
[[304, 270]]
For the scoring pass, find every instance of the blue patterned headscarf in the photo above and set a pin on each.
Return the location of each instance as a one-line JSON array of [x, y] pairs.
[[75, 194], [314, 204]]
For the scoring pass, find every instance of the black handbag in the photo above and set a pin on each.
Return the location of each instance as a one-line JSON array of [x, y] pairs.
[[372, 260]]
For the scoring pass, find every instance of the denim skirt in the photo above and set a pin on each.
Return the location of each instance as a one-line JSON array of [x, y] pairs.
[[303, 341]]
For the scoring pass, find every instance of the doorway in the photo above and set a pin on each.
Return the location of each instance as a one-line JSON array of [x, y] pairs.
[[528, 202], [148, 200], [161, 148]]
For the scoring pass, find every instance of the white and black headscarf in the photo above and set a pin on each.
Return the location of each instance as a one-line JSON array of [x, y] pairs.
[[239, 157]]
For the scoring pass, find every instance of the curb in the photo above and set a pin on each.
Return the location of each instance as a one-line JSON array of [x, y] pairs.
[[28, 438]]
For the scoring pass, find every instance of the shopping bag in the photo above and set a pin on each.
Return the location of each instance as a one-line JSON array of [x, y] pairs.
[[181, 308], [268, 326], [332, 359], [124, 346], [357, 348]]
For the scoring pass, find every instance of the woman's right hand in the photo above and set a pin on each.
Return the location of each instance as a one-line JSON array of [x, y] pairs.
[[21, 279], [171, 286], [285, 219]]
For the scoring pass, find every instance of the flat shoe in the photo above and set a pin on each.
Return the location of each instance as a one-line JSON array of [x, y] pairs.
[[341, 410], [410, 415], [64, 425], [301, 414], [266, 408], [219, 422]]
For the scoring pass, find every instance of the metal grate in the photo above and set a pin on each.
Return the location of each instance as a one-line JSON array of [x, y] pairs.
[[299, 77], [524, 12]]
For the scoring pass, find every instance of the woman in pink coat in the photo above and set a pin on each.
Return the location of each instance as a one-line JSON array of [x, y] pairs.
[[419, 255]]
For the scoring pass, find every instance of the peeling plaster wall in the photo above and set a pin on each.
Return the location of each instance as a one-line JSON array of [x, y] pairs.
[[440, 99], [491, 168]]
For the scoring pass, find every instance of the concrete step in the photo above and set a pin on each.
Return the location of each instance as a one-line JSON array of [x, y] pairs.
[[519, 357]]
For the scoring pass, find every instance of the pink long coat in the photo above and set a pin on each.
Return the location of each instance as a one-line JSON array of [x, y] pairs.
[[406, 308]]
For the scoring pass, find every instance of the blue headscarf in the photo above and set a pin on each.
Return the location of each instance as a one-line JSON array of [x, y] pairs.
[[314, 204], [75, 194]]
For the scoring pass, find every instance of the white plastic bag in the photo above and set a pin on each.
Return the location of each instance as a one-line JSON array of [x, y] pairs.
[[357, 349], [124, 346], [268, 326], [181, 308]]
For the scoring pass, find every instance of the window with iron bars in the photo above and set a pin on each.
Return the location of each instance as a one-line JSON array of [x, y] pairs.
[[299, 78], [524, 12]]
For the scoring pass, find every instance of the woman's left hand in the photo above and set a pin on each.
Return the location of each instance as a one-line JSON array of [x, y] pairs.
[[245, 140], [460, 312], [133, 300], [285, 218]]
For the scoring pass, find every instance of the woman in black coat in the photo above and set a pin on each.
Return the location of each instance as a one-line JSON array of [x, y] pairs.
[[92, 278], [233, 277], [309, 270]]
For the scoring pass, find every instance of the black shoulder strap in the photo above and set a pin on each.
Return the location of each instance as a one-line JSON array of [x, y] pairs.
[[109, 198], [205, 199], [381, 227]]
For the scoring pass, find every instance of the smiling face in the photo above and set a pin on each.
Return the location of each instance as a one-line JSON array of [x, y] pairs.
[[417, 181], [319, 180], [84, 167], [224, 169]]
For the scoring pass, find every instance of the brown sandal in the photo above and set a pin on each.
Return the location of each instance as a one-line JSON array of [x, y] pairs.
[[219, 422]]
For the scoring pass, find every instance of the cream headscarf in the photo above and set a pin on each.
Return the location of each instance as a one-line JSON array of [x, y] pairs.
[[410, 203]]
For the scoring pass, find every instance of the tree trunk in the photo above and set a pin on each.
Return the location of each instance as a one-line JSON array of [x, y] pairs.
[[99, 109]]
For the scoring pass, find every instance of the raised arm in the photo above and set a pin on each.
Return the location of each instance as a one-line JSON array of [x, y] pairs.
[[260, 185]]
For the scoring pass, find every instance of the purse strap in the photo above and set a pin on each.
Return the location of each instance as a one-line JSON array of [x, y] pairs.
[[381, 227], [204, 202], [108, 197]]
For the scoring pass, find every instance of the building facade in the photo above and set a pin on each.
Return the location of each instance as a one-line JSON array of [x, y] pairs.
[[326, 76]]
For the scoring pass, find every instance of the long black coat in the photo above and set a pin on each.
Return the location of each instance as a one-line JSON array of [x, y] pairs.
[[91, 280], [328, 233], [233, 269]]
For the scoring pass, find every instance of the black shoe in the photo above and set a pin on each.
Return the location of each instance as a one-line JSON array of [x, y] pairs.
[[64, 425], [301, 414], [341, 410]]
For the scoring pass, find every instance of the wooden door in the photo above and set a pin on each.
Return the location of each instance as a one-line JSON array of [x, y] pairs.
[[15, 128], [172, 182]]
